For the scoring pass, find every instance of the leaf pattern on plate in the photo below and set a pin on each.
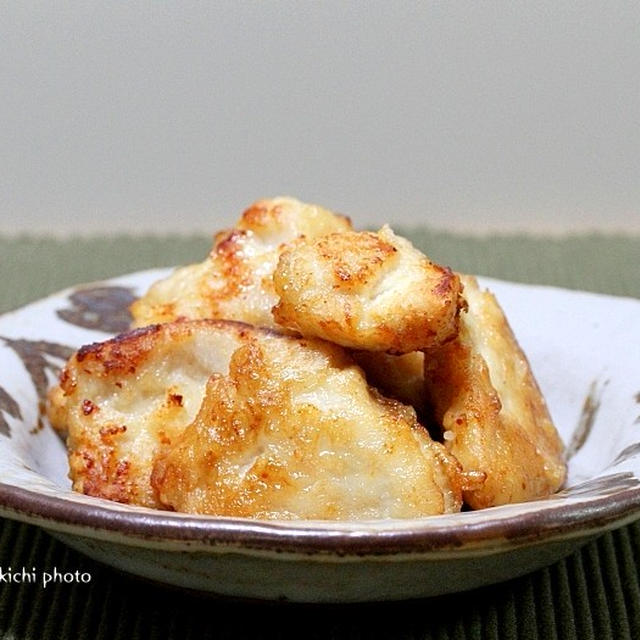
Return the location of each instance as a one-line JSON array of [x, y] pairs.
[[627, 453], [104, 308], [588, 415], [10, 406], [604, 486], [37, 355]]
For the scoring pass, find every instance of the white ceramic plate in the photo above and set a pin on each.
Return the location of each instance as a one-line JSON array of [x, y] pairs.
[[583, 348]]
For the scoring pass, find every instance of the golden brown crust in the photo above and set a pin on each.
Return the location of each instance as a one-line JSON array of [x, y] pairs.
[[368, 291], [226, 285], [219, 417], [292, 217], [323, 444], [494, 417], [124, 399], [235, 281], [294, 432]]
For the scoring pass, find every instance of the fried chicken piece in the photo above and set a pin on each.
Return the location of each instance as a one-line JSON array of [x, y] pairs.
[[493, 414], [369, 291], [125, 399], [295, 432], [235, 281]]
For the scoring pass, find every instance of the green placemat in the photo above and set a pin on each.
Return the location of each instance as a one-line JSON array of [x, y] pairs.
[[593, 593], [31, 268]]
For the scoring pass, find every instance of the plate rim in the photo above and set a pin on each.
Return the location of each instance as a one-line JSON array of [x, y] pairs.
[[418, 536]]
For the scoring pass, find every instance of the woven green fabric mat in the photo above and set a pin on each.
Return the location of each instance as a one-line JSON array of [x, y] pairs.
[[594, 593], [32, 268]]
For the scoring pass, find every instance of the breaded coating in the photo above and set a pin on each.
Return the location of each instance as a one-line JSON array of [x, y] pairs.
[[493, 414], [124, 399], [365, 290], [235, 281], [295, 432]]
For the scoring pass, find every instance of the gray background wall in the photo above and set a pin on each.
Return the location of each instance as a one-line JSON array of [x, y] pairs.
[[173, 116]]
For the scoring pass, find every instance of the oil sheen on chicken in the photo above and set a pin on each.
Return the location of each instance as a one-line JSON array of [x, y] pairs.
[[494, 417], [244, 421], [364, 290], [121, 401], [294, 431], [235, 281]]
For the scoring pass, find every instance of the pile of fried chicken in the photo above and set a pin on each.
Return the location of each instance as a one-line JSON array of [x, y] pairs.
[[308, 370]]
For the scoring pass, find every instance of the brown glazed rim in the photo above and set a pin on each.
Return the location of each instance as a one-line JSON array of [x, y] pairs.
[[546, 525]]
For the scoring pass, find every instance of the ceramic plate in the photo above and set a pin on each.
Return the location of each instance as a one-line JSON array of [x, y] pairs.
[[582, 347]]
